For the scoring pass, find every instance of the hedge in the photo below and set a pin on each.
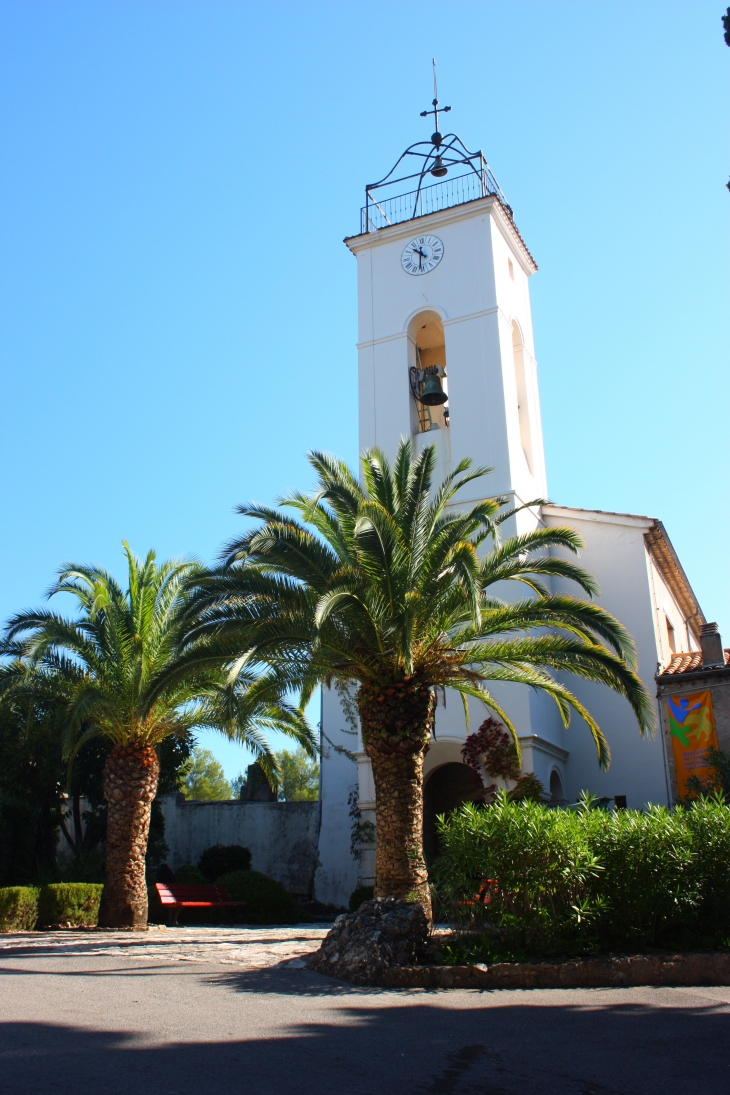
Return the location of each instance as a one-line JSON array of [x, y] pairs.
[[18, 908], [559, 881], [267, 902], [358, 895], [70, 903], [223, 859], [190, 875], [24, 908]]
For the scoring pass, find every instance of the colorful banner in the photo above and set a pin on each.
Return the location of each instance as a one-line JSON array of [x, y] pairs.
[[692, 728]]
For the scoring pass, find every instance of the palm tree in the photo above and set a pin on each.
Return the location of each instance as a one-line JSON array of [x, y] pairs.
[[116, 666], [391, 586]]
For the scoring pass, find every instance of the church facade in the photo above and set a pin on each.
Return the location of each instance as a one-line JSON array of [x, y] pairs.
[[446, 355]]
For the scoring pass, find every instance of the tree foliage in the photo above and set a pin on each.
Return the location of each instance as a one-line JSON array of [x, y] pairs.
[[299, 780], [202, 777], [389, 584], [116, 667]]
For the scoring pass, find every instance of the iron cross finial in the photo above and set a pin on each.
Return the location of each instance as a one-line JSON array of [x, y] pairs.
[[436, 137]]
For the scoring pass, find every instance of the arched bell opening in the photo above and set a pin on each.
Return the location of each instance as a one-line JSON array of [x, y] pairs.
[[427, 372], [446, 789]]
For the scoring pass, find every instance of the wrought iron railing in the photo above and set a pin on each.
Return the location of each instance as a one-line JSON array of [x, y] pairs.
[[379, 213]]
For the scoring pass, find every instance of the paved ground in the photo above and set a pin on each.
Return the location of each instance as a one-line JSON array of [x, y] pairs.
[[197, 1011]]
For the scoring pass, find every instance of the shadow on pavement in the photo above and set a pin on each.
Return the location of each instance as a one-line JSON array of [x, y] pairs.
[[434, 1044], [296, 982]]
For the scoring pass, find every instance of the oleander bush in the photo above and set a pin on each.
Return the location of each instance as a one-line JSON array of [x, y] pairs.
[[69, 903], [223, 859], [18, 908], [529, 880], [267, 902]]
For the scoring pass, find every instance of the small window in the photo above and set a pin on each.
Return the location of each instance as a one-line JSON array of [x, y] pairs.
[[511, 269], [670, 636]]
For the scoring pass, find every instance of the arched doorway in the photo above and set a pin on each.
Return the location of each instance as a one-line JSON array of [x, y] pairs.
[[446, 789], [557, 796]]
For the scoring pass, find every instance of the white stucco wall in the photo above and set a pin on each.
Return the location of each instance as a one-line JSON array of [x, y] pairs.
[[617, 556], [338, 873], [667, 610]]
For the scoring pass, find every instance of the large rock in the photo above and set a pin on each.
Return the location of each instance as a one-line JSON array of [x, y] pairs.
[[382, 935]]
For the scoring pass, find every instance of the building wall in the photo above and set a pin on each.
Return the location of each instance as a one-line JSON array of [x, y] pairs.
[[668, 612], [617, 556], [282, 836], [338, 872], [718, 684]]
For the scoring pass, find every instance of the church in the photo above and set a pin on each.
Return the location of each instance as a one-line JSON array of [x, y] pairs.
[[446, 354]]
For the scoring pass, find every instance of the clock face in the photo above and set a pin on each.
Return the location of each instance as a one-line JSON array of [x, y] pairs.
[[422, 254]]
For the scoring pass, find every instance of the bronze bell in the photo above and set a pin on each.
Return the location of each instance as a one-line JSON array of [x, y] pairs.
[[439, 169], [433, 394]]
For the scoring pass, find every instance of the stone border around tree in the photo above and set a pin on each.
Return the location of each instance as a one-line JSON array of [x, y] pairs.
[[614, 971]]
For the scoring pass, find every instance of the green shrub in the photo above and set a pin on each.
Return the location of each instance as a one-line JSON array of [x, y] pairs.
[[267, 902], [223, 859], [18, 908], [358, 895], [586, 880], [532, 865], [709, 824], [190, 875], [650, 884], [74, 903]]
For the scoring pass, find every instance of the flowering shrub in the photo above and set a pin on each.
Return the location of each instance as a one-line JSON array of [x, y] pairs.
[[491, 747]]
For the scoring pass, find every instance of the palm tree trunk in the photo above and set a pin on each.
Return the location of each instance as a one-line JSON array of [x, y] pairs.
[[130, 785], [400, 868], [396, 726]]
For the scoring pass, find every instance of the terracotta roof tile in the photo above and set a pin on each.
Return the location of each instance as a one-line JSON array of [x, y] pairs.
[[688, 663]]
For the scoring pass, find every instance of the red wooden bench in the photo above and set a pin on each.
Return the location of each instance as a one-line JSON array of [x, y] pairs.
[[180, 895]]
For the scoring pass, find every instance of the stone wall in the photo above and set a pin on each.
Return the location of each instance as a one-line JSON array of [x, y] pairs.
[[282, 836]]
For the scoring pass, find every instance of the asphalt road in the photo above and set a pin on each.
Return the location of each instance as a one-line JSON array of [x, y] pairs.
[[88, 1023]]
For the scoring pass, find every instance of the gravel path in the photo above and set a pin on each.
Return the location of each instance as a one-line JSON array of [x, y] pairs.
[[246, 948]]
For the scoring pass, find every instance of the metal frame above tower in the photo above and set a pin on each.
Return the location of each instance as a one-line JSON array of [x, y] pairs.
[[437, 157]]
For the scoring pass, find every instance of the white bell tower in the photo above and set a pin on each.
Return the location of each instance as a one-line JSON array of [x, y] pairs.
[[444, 314]]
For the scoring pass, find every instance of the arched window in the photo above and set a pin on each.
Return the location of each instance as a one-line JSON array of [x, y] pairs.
[[518, 352], [428, 372]]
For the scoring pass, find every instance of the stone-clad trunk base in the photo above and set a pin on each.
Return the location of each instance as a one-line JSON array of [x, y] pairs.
[[384, 934], [610, 972]]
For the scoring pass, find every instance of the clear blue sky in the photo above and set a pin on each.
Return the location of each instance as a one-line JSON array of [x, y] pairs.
[[177, 310]]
